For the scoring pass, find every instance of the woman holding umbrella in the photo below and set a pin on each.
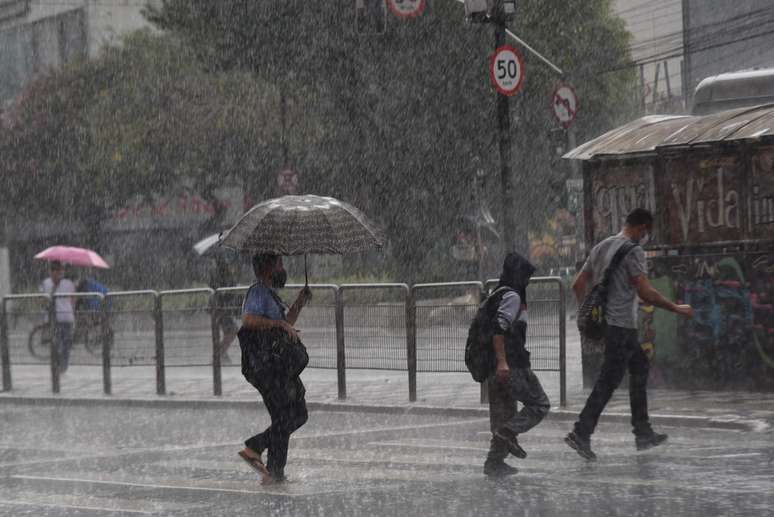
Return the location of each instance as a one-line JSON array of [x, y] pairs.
[[282, 391], [290, 225], [56, 284]]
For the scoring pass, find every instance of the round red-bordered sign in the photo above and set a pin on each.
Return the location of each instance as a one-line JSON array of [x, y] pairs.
[[287, 181], [506, 70], [564, 104], [406, 8]]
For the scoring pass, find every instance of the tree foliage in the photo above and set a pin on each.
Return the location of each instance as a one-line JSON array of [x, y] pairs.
[[142, 120], [396, 123], [409, 109]]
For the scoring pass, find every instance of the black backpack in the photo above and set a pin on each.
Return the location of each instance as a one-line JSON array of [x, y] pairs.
[[479, 354], [591, 320]]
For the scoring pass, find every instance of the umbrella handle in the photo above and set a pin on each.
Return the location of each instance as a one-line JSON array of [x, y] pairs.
[[306, 271]]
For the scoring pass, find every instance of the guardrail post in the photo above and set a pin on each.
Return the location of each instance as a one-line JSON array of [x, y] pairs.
[[341, 358], [411, 344], [5, 355], [54, 350], [217, 381], [158, 317], [484, 385], [105, 331], [562, 346]]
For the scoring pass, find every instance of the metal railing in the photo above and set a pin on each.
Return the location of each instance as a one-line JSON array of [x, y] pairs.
[[374, 323], [422, 328]]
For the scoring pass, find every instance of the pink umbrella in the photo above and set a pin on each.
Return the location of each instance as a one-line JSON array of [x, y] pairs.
[[73, 256]]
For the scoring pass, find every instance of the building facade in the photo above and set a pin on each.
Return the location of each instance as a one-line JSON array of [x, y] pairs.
[[678, 43], [723, 36], [657, 51], [37, 35]]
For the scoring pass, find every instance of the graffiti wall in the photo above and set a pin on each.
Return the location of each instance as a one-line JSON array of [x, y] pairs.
[[616, 191], [702, 200], [730, 341], [697, 200]]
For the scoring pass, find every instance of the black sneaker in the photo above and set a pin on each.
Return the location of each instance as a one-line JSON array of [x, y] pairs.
[[512, 442], [498, 469], [649, 441], [581, 445]]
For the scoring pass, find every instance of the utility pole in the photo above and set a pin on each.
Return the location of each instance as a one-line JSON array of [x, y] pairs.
[[687, 76], [499, 13], [283, 123], [504, 140]]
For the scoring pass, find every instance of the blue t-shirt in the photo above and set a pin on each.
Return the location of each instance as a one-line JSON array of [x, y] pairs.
[[262, 301], [93, 304]]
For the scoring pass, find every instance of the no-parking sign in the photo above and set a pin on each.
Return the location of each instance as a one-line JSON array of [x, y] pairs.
[[564, 103], [406, 8], [506, 70], [287, 181]]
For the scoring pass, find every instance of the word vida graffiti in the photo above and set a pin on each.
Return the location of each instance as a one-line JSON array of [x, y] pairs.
[[721, 210]]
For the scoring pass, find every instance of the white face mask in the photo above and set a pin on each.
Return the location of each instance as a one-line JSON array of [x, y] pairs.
[[644, 239]]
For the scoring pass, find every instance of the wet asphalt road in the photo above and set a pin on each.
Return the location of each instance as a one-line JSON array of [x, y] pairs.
[[74, 461]]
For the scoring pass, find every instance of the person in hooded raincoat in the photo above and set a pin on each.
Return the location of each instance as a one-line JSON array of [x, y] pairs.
[[513, 380]]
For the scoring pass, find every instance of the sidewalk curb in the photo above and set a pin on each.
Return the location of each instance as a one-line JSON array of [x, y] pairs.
[[556, 414]]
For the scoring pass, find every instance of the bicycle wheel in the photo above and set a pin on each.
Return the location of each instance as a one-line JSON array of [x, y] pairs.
[[39, 341], [91, 335]]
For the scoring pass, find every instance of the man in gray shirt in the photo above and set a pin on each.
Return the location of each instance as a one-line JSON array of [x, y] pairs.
[[622, 348]]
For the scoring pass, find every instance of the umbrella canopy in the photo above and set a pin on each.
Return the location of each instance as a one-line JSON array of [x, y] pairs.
[[73, 256], [205, 244], [297, 225]]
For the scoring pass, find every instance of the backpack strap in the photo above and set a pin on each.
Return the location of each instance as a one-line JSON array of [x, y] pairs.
[[497, 295], [617, 259]]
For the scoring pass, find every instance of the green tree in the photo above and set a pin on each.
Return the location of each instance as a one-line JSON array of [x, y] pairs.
[[142, 120], [407, 111]]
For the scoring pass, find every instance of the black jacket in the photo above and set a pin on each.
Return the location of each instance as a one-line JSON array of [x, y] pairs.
[[516, 274]]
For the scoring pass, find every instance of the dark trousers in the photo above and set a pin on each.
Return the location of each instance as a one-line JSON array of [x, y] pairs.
[[622, 351], [522, 386], [287, 408], [63, 339]]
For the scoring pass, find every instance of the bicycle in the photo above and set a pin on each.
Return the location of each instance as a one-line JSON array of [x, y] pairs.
[[88, 330]]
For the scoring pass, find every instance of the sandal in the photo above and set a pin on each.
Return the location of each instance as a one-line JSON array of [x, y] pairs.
[[255, 463]]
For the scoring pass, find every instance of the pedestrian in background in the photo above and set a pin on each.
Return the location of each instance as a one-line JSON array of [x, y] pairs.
[[64, 313], [513, 379], [628, 279], [227, 307]]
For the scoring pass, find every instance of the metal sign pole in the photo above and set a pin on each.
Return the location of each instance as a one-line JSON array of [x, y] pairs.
[[5, 355], [504, 140]]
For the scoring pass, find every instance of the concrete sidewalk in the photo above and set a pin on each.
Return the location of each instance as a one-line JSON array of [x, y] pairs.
[[377, 390]]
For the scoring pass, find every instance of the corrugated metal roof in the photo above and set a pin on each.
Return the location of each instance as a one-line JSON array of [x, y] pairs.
[[649, 134]]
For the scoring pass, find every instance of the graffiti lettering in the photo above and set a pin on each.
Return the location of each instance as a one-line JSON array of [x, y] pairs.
[[614, 202], [721, 210], [761, 208]]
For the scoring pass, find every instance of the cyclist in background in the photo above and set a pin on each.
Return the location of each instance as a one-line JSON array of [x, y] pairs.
[[88, 309]]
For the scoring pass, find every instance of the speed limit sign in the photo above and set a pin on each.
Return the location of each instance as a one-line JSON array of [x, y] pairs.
[[406, 8], [506, 70]]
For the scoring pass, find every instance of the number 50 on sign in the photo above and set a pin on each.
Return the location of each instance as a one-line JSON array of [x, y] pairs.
[[506, 70]]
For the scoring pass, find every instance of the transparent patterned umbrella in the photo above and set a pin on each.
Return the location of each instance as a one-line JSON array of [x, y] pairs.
[[299, 225]]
